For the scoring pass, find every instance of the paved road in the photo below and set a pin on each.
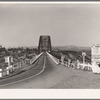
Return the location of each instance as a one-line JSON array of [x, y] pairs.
[[31, 71], [58, 77]]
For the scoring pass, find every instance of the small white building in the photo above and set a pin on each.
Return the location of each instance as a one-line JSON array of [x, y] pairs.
[[95, 58]]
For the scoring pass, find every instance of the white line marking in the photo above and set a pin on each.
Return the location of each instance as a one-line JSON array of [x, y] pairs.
[[28, 77]]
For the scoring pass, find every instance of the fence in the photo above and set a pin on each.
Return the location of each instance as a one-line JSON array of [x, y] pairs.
[[77, 65], [73, 64], [53, 58], [18, 65], [94, 67]]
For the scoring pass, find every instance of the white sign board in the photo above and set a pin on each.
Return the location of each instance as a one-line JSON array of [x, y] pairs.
[[8, 59]]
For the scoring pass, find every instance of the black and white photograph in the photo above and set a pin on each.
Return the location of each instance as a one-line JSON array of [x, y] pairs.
[[49, 45]]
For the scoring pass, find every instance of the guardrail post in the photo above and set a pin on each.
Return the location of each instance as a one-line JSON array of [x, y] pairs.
[[13, 67], [77, 64], [62, 58], [0, 72], [7, 70], [69, 61]]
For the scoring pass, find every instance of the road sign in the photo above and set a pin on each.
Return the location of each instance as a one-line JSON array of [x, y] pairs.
[[8, 59]]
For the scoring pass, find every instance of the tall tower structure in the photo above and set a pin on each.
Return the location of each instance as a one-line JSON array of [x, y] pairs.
[[44, 44]]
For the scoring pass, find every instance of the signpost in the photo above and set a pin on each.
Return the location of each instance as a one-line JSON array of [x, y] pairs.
[[62, 58], [83, 54]]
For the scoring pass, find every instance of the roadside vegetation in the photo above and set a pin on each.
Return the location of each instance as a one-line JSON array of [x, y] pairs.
[[17, 54], [73, 55]]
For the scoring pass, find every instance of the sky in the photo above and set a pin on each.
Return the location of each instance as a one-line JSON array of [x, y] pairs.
[[67, 24]]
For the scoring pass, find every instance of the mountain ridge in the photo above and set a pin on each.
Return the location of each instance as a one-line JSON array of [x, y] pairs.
[[72, 47]]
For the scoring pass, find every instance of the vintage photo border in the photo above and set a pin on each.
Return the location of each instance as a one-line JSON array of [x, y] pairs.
[[49, 93]]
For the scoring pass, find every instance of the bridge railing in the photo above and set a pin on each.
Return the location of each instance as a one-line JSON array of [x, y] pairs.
[[78, 65], [72, 64], [56, 60], [23, 64], [36, 57]]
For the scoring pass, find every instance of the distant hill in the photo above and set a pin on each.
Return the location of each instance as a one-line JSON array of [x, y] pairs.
[[24, 47], [72, 47], [72, 52]]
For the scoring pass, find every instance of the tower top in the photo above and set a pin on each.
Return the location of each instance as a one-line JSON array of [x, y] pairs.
[[45, 35]]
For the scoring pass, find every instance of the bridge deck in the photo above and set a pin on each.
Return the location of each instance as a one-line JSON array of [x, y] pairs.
[[55, 76]]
